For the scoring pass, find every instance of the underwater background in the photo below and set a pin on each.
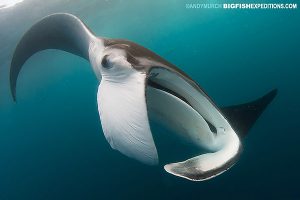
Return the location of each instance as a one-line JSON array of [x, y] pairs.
[[51, 142]]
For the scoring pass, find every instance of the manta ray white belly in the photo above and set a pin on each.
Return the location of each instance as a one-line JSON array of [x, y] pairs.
[[123, 114]]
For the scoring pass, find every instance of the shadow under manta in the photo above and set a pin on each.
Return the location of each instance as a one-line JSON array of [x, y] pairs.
[[136, 84]]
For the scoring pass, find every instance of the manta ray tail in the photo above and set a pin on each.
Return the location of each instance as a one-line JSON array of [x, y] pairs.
[[57, 31]]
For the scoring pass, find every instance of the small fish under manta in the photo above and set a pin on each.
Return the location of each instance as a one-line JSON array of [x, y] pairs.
[[135, 80]]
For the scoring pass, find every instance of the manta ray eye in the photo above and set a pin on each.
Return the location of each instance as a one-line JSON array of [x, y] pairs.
[[105, 62]]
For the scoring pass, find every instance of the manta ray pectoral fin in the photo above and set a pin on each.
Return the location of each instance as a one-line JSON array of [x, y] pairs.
[[193, 115], [122, 105], [243, 116], [206, 166], [209, 165], [124, 118], [58, 31]]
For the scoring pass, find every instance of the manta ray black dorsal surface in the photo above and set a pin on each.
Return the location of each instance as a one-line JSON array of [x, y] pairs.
[[243, 116]]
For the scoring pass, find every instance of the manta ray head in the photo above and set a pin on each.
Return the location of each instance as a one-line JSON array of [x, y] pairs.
[[111, 62], [119, 58]]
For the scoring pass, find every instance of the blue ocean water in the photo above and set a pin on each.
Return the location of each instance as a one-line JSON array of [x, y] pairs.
[[51, 142]]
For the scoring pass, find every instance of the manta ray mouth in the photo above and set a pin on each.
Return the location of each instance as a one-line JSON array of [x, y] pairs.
[[158, 86]]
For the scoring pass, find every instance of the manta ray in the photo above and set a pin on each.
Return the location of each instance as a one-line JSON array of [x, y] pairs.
[[135, 81]]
